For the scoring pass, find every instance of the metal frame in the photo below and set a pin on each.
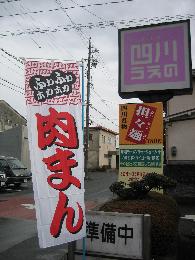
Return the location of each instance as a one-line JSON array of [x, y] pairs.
[[146, 239]]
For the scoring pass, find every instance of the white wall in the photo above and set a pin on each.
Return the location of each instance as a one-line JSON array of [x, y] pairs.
[[182, 135], [108, 145], [181, 103]]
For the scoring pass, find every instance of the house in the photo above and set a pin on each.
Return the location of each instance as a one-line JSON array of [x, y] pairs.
[[13, 134], [180, 138], [180, 128], [9, 117], [102, 148]]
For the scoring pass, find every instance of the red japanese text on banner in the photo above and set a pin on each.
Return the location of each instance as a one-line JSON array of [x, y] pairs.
[[54, 113]]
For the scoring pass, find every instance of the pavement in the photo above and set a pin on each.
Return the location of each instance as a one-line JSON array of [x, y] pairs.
[[18, 236], [186, 240]]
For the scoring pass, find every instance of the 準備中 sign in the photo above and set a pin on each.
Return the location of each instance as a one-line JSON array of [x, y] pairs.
[[116, 234]]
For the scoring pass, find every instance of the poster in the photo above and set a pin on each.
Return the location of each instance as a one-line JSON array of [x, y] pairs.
[[140, 140], [141, 123], [138, 160], [54, 116]]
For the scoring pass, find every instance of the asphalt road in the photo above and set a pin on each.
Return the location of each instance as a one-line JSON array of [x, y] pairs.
[[18, 236], [18, 232]]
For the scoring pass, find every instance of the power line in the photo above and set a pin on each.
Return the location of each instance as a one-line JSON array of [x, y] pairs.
[[51, 37], [11, 61], [9, 1], [11, 83], [11, 68], [12, 56], [103, 115], [1, 84], [81, 34], [84, 8], [102, 100], [65, 8], [99, 25]]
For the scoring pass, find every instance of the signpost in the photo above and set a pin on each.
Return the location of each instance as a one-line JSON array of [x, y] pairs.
[[154, 65]]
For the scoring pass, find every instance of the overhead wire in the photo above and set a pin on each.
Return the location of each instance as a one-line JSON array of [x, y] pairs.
[[16, 71], [100, 25], [1, 84], [9, 1], [107, 72], [11, 61], [78, 31], [95, 54], [12, 56], [11, 83], [51, 38], [94, 108], [66, 8], [103, 100], [90, 12]]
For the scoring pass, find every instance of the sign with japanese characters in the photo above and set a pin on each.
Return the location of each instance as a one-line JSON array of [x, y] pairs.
[[138, 160], [141, 123], [115, 234], [54, 113], [155, 58]]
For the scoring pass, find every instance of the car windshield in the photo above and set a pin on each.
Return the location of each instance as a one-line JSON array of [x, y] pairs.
[[15, 164]]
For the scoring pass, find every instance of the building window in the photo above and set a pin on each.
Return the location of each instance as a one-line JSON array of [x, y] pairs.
[[103, 139], [90, 137], [109, 140]]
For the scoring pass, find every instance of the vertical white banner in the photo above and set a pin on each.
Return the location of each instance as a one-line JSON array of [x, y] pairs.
[[54, 115]]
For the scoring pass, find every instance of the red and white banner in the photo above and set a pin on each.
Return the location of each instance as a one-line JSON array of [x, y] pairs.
[[54, 111]]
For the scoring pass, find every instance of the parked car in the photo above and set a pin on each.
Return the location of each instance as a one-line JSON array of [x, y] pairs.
[[16, 173], [3, 179]]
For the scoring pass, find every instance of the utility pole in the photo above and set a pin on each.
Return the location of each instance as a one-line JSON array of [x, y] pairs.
[[87, 111]]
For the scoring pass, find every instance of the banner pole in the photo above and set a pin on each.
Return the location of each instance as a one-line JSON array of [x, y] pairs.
[[83, 127]]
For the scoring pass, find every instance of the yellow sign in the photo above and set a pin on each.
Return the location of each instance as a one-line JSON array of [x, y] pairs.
[[141, 124]]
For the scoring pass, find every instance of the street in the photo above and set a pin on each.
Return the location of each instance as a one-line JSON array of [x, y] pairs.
[[18, 234], [18, 222]]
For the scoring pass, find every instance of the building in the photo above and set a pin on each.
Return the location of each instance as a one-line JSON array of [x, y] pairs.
[[180, 129], [180, 141], [13, 134], [102, 148], [9, 117]]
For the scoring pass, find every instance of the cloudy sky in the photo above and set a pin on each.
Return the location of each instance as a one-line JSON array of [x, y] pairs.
[[57, 29]]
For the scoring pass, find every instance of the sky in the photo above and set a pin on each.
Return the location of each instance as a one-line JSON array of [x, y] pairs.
[[57, 29]]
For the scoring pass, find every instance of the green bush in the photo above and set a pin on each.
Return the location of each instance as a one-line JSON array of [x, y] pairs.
[[164, 217], [139, 189]]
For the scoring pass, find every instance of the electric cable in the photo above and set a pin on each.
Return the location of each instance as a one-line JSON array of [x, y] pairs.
[[11, 83], [65, 8], [1, 84], [100, 25]]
